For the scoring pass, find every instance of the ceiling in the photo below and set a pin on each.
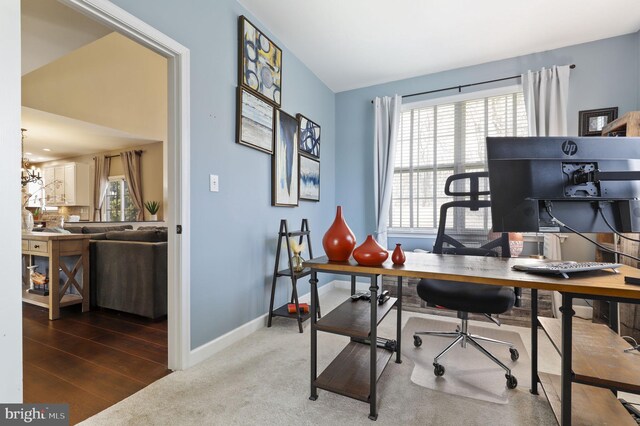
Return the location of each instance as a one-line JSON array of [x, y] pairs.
[[50, 31], [66, 137], [359, 43]]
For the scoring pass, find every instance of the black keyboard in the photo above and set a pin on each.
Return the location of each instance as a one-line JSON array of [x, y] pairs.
[[565, 268]]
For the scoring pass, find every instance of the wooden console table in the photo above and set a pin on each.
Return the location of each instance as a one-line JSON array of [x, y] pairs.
[[578, 391], [56, 247]]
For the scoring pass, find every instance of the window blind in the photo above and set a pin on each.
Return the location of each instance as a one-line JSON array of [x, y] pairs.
[[437, 141]]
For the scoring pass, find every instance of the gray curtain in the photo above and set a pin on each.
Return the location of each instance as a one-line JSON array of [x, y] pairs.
[[387, 122], [546, 94], [100, 183], [133, 176]]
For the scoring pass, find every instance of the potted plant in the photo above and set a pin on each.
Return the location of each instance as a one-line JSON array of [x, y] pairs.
[[152, 207]]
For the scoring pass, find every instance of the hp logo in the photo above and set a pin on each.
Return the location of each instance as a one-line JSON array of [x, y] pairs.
[[569, 147]]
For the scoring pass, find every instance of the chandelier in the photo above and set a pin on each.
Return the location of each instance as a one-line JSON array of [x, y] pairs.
[[29, 174]]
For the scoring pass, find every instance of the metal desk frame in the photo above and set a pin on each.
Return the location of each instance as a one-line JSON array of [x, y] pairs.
[[373, 336]]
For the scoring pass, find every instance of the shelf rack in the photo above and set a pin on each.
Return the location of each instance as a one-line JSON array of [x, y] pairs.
[[294, 276], [599, 367]]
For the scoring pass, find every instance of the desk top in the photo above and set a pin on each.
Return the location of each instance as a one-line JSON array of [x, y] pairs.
[[46, 236], [492, 271]]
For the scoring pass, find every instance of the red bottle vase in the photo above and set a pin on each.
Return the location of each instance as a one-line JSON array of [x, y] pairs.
[[338, 242], [398, 257], [370, 253]]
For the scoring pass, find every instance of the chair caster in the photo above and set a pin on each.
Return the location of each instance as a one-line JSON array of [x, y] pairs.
[[417, 341], [512, 382], [438, 370], [514, 354]]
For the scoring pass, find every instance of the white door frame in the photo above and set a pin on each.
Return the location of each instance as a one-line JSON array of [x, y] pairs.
[[177, 163]]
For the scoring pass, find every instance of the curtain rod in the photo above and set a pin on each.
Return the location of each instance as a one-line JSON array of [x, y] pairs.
[[118, 155], [572, 66]]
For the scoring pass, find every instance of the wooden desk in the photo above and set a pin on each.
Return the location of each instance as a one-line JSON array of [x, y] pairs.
[[56, 247], [492, 271]]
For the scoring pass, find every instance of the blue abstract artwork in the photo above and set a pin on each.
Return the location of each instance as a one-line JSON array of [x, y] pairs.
[[309, 137], [309, 179], [260, 62], [285, 161]]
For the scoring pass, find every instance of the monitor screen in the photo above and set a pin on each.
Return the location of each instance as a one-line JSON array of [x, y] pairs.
[[579, 179]]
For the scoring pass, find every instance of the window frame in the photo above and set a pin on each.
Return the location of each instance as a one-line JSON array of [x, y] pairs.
[[122, 180], [401, 232]]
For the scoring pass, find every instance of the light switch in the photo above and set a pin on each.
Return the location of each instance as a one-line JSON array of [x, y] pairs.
[[213, 183]]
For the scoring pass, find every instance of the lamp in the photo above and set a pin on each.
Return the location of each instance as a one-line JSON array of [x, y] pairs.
[[28, 174]]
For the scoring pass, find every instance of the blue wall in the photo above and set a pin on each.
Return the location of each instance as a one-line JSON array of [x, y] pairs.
[[607, 75], [638, 78], [233, 235]]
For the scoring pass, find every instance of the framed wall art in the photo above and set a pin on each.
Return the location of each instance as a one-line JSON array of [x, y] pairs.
[[309, 179], [591, 122], [260, 62], [254, 121], [285, 161], [309, 137]]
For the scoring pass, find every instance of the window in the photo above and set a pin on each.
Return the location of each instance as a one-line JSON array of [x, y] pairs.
[[118, 206], [437, 140]]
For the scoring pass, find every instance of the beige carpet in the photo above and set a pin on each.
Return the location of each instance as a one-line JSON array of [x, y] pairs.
[[264, 380], [468, 372]]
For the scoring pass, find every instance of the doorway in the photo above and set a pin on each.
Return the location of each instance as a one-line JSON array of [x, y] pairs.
[[176, 158]]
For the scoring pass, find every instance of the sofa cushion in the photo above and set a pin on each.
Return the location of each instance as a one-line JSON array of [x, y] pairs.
[[74, 229], [101, 229], [151, 228], [145, 236]]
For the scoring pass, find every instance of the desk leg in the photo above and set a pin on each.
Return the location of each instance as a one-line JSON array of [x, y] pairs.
[[566, 374], [54, 280], [373, 412], [314, 337], [86, 284], [399, 329], [534, 341]]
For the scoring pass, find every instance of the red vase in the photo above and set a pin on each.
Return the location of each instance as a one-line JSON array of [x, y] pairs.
[[370, 253], [339, 241], [398, 257]]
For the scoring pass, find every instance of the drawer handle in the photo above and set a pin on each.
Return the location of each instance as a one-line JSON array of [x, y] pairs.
[[36, 246]]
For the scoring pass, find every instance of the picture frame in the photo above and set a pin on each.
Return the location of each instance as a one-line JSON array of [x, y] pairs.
[[309, 137], [592, 121], [259, 62], [254, 121], [284, 170], [309, 176]]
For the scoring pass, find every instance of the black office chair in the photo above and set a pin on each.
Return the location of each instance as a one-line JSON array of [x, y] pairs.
[[465, 297]]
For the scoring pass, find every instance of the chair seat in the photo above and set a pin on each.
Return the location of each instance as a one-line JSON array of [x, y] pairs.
[[465, 297]]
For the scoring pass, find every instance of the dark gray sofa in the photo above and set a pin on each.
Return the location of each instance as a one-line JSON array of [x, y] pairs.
[[77, 229], [129, 271]]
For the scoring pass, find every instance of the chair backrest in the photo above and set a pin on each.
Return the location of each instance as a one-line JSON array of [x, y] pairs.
[[472, 203]]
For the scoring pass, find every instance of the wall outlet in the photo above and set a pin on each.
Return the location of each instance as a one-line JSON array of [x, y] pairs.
[[213, 183]]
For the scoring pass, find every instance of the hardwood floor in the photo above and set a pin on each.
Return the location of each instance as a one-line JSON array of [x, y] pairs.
[[90, 360]]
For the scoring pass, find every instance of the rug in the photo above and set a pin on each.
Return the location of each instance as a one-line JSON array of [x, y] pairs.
[[468, 372]]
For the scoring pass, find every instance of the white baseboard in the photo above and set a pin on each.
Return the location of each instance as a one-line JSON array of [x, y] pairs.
[[209, 349]]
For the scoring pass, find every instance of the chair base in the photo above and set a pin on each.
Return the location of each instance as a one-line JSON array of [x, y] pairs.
[[462, 336]]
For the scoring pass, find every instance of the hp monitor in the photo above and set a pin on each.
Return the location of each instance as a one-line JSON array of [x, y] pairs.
[[590, 184]]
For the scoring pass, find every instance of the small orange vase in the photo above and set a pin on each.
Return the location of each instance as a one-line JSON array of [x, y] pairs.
[[338, 242], [370, 253], [398, 257]]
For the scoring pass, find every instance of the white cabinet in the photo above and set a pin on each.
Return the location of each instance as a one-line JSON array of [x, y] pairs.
[[72, 187]]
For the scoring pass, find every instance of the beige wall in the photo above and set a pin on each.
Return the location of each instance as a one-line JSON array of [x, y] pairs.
[[113, 82], [152, 176]]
